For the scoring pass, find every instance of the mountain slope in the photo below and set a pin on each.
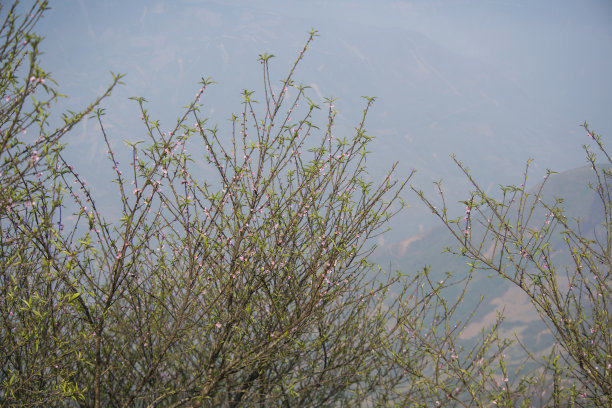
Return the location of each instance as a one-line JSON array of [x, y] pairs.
[[500, 296]]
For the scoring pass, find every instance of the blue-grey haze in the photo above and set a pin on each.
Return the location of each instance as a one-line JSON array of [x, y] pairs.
[[495, 82]]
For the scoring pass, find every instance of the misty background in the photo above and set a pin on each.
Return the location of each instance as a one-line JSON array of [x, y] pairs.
[[494, 82]]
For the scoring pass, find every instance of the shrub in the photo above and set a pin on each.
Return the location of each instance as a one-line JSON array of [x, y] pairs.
[[252, 286], [561, 264]]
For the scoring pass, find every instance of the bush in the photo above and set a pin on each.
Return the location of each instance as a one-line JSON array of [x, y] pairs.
[[250, 288], [561, 264]]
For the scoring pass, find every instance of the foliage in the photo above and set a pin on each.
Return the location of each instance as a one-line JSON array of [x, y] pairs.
[[566, 279], [250, 286], [38, 291]]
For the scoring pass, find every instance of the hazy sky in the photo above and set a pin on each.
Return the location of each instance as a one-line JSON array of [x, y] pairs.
[[496, 82]]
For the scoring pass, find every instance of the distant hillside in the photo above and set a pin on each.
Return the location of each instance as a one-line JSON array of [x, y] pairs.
[[414, 252], [432, 99]]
